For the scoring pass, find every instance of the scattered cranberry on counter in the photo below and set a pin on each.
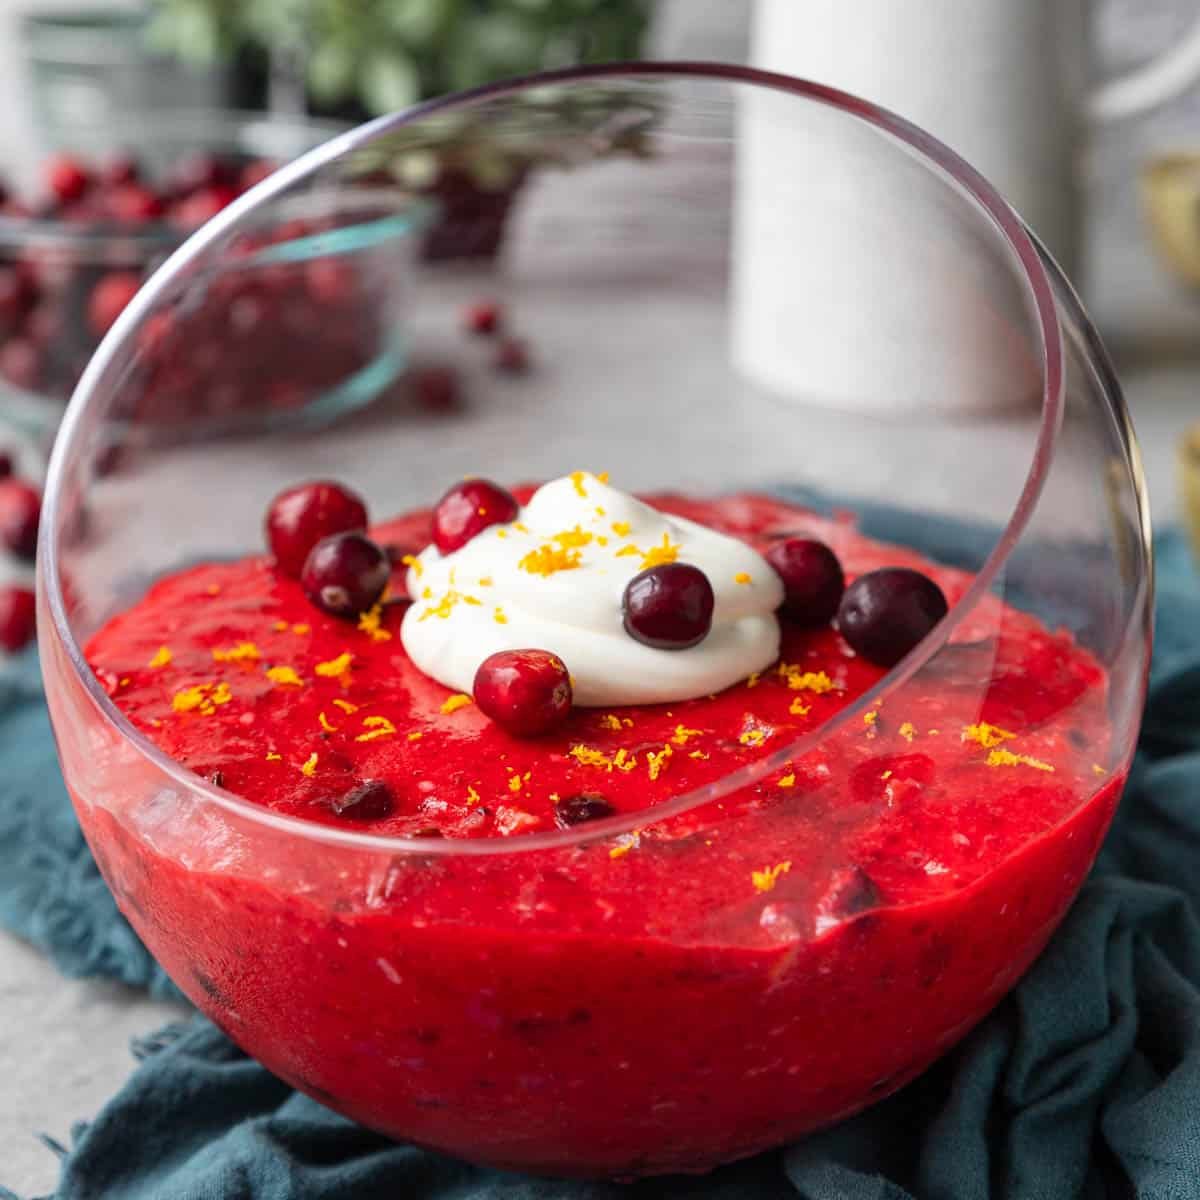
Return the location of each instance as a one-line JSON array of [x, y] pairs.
[[18, 620], [512, 357], [467, 509], [813, 580], [577, 810], [483, 317], [525, 692], [20, 512], [301, 516], [885, 613], [436, 388], [344, 575], [669, 607]]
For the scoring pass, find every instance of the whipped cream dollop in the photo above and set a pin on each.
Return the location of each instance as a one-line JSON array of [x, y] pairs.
[[553, 579]]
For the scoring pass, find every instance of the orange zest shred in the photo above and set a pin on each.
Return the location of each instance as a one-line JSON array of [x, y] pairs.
[[323, 720], [786, 781], [798, 708], [806, 681], [625, 843], [377, 727], [499, 617], [742, 577], [281, 627], [768, 877], [1006, 758], [621, 528], [986, 735], [577, 478], [908, 731], [371, 622], [472, 796], [414, 735], [202, 698], [611, 721], [657, 762], [162, 658], [683, 735], [656, 556], [453, 703], [273, 757], [697, 754], [573, 539], [589, 756], [411, 560], [309, 766], [242, 652], [335, 668], [346, 707], [547, 560], [284, 676]]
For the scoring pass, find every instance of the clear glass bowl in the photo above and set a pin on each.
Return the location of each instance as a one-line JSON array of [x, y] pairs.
[[65, 271], [583, 1002]]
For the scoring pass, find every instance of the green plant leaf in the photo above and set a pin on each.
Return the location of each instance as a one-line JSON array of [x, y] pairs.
[[388, 81], [332, 71]]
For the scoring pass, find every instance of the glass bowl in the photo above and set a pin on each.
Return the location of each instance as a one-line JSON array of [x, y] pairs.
[[768, 950], [68, 266]]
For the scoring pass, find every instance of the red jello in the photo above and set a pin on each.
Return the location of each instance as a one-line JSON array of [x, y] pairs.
[[655, 993]]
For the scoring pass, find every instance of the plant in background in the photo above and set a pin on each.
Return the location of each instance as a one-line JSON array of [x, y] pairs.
[[381, 55]]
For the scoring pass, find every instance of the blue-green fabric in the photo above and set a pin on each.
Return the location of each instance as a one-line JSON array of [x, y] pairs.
[[1085, 1082]]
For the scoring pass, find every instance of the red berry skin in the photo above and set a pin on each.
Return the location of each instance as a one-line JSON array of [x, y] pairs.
[[109, 299], [18, 618], [344, 575], [512, 357], [133, 204], [436, 389], [812, 577], [120, 170], [669, 607], [484, 317], [469, 508], [886, 613], [66, 178], [20, 513], [301, 516], [526, 692]]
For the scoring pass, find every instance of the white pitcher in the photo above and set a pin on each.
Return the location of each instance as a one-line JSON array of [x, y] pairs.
[[1003, 82]]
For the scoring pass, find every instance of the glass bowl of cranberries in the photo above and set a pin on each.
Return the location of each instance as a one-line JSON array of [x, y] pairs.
[[679, 742], [305, 319]]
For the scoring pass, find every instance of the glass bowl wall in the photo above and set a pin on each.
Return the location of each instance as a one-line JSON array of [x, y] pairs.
[[553, 1002]]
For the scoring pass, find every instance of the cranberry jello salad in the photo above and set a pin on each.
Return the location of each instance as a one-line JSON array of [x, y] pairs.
[[553, 658]]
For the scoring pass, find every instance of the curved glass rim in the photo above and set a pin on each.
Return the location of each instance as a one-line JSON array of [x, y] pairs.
[[1037, 277]]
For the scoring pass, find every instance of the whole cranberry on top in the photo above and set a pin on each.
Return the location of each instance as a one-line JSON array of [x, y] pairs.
[[109, 299], [812, 577], [66, 177], [301, 516], [669, 607], [345, 574], [526, 692], [20, 513], [469, 508]]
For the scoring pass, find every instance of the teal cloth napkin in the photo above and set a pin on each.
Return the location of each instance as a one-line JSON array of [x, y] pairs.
[[1085, 1082]]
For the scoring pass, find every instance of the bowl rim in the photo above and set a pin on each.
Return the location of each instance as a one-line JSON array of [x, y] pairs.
[[1035, 266]]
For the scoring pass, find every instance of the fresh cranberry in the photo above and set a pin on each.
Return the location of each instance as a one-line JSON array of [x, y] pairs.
[[109, 298], [201, 206], [576, 810], [370, 800], [344, 575], [469, 508], [66, 178], [120, 170], [301, 516], [435, 388], [20, 511], [669, 607], [17, 618], [17, 295], [526, 692], [512, 357], [255, 172], [133, 204], [813, 581], [483, 317], [21, 363], [885, 613]]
